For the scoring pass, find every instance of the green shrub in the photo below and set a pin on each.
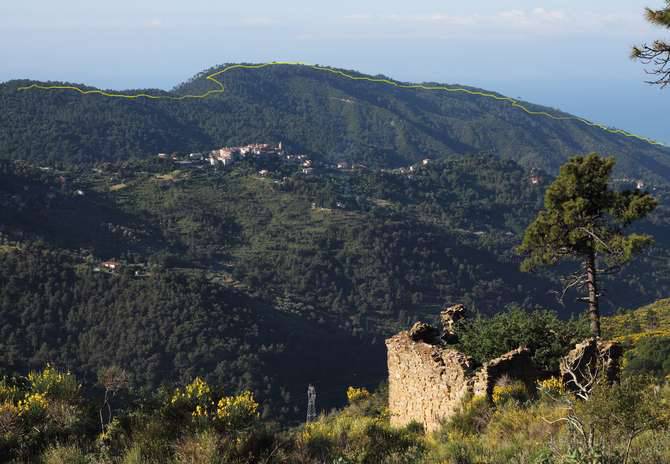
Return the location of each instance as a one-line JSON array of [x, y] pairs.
[[472, 418], [202, 448], [457, 448], [510, 391], [614, 417], [650, 356], [152, 443], [134, 455], [478, 434], [651, 447], [546, 336], [360, 440]]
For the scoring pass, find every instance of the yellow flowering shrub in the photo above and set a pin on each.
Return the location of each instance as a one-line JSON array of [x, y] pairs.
[[552, 387], [514, 391], [53, 383], [195, 399], [356, 394], [198, 391], [34, 404], [8, 393], [237, 412], [199, 411], [48, 402], [512, 423]]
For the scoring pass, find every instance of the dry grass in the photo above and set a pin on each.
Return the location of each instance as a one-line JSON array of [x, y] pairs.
[[169, 177]]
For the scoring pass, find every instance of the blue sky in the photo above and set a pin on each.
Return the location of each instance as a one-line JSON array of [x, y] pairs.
[[568, 54]]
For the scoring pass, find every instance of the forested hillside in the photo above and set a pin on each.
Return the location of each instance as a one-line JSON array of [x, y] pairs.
[[167, 328], [317, 112], [266, 282]]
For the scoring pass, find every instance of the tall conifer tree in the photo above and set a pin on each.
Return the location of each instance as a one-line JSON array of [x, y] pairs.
[[584, 220]]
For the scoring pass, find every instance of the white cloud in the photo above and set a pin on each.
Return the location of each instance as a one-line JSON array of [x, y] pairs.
[[550, 15], [537, 19], [357, 17], [528, 22], [154, 23], [442, 18], [258, 21]]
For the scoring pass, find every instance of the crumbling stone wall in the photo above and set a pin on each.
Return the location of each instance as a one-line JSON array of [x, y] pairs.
[[516, 365], [428, 379], [426, 382]]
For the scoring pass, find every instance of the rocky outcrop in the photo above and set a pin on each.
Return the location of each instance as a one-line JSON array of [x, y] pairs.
[[422, 332], [588, 360], [450, 316]]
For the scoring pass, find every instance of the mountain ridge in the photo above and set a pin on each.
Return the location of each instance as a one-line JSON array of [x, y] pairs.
[[319, 113]]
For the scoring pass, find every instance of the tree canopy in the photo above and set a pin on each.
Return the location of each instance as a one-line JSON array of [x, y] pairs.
[[585, 220], [657, 53]]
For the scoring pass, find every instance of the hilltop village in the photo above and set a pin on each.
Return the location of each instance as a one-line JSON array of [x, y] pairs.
[[226, 157]]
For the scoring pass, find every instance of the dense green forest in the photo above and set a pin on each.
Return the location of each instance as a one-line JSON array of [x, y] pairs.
[[322, 114], [167, 328], [250, 281]]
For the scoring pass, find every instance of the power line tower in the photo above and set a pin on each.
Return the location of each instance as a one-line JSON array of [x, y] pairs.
[[311, 403]]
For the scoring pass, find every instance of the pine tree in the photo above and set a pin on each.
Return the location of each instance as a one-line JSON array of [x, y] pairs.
[[584, 220], [658, 53]]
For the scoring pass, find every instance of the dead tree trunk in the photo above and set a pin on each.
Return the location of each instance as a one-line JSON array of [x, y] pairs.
[[592, 288]]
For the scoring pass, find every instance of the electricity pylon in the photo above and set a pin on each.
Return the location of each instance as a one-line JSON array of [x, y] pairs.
[[311, 403]]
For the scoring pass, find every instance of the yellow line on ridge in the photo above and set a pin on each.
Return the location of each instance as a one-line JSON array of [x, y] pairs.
[[220, 89]]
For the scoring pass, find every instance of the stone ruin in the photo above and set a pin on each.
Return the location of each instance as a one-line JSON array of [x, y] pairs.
[[429, 379], [449, 318]]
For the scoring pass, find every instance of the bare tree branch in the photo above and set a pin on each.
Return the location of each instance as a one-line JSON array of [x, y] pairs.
[[657, 55], [576, 280]]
